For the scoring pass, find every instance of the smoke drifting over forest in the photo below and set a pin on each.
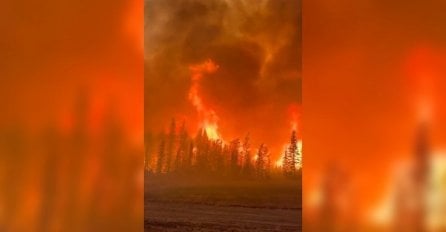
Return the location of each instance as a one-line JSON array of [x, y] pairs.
[[256, 46]]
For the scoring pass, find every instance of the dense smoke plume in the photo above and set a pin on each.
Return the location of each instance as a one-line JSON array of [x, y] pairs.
[[256, 45]]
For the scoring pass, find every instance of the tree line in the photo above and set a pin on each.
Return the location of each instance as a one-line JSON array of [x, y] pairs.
[[178, 152]]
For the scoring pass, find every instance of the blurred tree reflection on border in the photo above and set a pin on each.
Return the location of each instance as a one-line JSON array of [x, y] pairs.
[[71, 116]]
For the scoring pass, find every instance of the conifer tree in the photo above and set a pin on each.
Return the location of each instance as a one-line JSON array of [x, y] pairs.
[[181, 150], [268, 163], [190, 156], [226, 155], [205, 151], [298, 159], [234, 152], [202, 143], [286, 163], [148, 143], [261, 162], [247, 165], [219, 158], [161, 154], [290, 156], [215, 155], [170, 145], [293, 150]]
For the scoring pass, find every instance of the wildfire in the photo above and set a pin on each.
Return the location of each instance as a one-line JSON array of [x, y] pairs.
[[207, 116], [279, 162], [294, 116], [384, 212], [293, 110]]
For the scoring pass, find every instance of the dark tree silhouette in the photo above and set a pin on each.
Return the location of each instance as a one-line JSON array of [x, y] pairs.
[[226, 153], [205, 156], [215, 155], [148, 144], [182, 146], [202, 142], [161, 154], [190, 156], [170, 145], [234, 151], [247, 163], [268, 163], [262, 161], [290, 157]]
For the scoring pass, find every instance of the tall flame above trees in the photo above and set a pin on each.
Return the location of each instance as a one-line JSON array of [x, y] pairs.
[[208, 117]]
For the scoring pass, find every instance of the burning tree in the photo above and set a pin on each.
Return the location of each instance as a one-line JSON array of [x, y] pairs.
[[202, 149], [207, 153], [203, 155], [234, 151], [187, 164], [161, 154], [290, 157], [247, 165], [262, 161], [216, 155], [182, 147], [148, 140], [170, 145]]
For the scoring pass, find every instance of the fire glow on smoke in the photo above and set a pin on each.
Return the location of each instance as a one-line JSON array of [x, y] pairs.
[[207, 116]]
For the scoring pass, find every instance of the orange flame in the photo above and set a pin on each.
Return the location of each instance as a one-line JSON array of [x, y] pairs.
[[293, 110], [208, 117], [279, 161]]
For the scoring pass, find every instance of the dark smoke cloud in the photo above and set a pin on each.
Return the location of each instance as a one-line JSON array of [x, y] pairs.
[[257, 45]]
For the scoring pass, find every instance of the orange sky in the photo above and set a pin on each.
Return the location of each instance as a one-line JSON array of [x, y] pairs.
[[366, 65], [52, 54], [256, 46]]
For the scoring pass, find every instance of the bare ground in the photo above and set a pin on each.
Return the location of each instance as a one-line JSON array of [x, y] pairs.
[[203, 206], [163, 216]]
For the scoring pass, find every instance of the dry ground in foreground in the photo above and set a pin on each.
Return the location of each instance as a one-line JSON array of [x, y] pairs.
[[174, 204]]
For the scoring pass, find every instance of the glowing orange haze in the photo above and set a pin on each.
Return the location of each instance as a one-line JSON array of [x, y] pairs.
[[251, 77], [370, 69], [64, 50], [208, 118]]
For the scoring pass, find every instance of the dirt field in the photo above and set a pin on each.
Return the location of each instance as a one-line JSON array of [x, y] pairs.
[[211, 206]]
